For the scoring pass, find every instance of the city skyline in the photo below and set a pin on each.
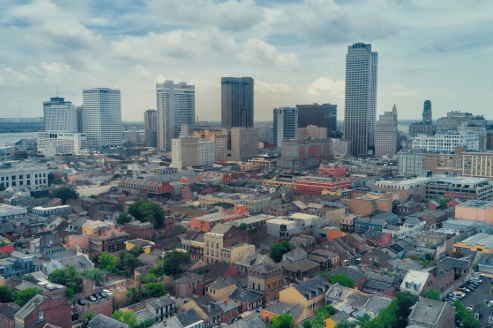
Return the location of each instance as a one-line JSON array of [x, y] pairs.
[[292, 63]]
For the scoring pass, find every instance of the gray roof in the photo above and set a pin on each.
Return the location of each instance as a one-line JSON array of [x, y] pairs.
[[281, 308], [189, 317], [427, 311], [8, 310], [244, 295], [80, 262], [188, 278], [376, 303], [450, 263], [264, 267], [312, 287], [220, 228], [303, 265], [482, 239], [338, 292], [221, 283], [354, 273], [340, 316], [102, 321], [162, 302], [298, 252], [248, 322], [30, 306]]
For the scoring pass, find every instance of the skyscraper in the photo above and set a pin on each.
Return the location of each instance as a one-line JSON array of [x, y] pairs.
[[386, 134], [150, 128], [323, 116], [60, 115], [361, 93], [285, 124], [102, 117], [237, 102], [426, 125], [427, 112], [175, 107]]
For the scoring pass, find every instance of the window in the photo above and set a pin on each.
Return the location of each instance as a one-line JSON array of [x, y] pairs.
[[40, 315]]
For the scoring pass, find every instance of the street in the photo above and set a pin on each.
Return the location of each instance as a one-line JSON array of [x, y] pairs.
[[480, 294]]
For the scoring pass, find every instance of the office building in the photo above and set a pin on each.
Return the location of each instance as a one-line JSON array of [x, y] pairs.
[[323, 116], [175, 108], [361, 93], [304, 153], [190, 151], [34, 177], [244, 143], [220, 138], [60, 115], [410, 163], [53, 143], [446, 142], [386, 134], [237, 102], [79, 119], [455, 120], [460, 187], [285, 124], [477, 164], [150, 128], [426, 125], [102, 117]]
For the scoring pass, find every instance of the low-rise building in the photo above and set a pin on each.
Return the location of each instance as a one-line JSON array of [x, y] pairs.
[[460, 187], [220, 288], [140, 230], [310, 294], [266, 279], [9, 212], [403, 188], [45, 309], [301, 270], [186, 284], [34, 177], [476, 210], [17, 264], [235, 253], [146, 245], [430, 313], [481, 243], [149, 187]]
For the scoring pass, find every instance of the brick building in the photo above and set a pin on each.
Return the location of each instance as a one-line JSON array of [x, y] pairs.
[[186, 285], [149, 187], [266, 279], [333, 172], [140, 230], [7, 312], [317, 185], [42, 310], [221, 236]]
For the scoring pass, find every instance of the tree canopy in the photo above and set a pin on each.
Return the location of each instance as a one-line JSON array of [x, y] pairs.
[[466, 318], [23, 296], [68, 277], [320, 315], [278, 250], [432, 294], [65, 194], [6, 294], [342, 279], [282, 321], [123, 218], [145, 211], [127, 317], [171, 264]]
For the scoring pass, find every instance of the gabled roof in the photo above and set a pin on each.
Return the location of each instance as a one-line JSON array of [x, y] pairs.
[[280, 308], [102, 321], [244, 295], [30, 306], [427, 311], [162, 302], [450, 263], [354, 273], [188, 318], [221, 283], [414, 281], [312, 287]]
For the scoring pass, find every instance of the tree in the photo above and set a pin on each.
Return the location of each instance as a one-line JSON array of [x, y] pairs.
[[282, 321], [145, 211], [69, 293], [466, 318], [342, 279], [87, 318], [65, 194], [23, 296], [307, 324], [147, 279], [137, 250], [432, 294], [278, 250], [107, 262], [128, 317], [96, 275], [146, 323], [171, 264], [68, 277], [243, 226], [6, 294], [154, 289], [53, 180], [123, 218]]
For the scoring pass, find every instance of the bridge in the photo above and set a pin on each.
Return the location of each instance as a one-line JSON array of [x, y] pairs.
[[15, 125]]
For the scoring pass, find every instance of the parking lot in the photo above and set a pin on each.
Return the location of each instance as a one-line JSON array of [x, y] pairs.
[[480, 294]]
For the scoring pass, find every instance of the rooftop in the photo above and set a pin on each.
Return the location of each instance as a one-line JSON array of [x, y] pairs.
[[102, 321], [427, 311], [482, 239], [477, 204], [6, 209]]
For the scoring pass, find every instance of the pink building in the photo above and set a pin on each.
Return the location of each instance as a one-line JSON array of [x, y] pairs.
[[78, 240], [476, 210]]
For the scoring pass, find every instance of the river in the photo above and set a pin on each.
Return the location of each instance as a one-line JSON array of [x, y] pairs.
[[8, 138]]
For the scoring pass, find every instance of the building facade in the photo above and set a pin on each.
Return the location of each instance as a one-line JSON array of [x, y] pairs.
[[446, 142], [175, 108], [244, 143], [190, 151], [102, 117], [411, 163], [60, 115], [150, 128], [361, 93], [455, 120], [237, 102], [313, 132], [220, 138], [53, 143], [386, 134], [426, 125], [323, 116], [285, 124], [304, 153]]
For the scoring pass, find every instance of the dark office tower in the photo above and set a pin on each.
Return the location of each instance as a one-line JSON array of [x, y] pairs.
[[427, 112], [150, 128], [323, 116], [79, 119], [236, 102], [361, 92]]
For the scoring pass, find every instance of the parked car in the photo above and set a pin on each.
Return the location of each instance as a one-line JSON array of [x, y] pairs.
[[96, 295], [104, 295], [469, 308], [81, 302], [107, 292], [92, 298]]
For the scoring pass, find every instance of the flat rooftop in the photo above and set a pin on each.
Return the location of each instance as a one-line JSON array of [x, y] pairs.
[[253, 219], [482, 239], [477, 204], [6, 210]]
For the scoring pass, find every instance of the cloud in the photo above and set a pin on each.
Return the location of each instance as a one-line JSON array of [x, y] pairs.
[[259, 53], [327, 86]]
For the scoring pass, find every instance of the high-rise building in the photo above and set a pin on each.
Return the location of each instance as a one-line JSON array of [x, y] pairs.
[[220, 138], [323, 116], [361, 93], [175, 107], [191, 151], [386, 134], [426, 125], [237, 105], [60, 115], [285, 124], [244, 143], [102, 117], [79, 119], [150, 128]]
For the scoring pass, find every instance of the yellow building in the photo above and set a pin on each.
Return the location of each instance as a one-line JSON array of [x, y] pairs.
[[481, 242], [91, 227], [309, 294], [221, 288], [236, 253], [145, 244]]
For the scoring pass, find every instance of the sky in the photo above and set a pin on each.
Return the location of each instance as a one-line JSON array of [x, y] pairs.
[[295, 51]]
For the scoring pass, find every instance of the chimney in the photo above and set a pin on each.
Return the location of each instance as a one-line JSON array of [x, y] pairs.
[[225, 302]]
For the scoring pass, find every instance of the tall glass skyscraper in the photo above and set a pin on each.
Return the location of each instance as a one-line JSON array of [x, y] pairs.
[[102, 117], [285, 124], [237, 102], [175, 107], [60, 115], [361, 95]]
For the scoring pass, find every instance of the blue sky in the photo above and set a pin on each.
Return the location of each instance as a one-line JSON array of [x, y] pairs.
[[295, 50]]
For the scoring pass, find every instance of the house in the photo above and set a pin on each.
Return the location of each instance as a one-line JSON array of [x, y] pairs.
[[484, 314], [185, 285], [187, 319], [102, 321], [162, 307], [357, 242], [229, 310], [309, 294], [296, 255], [417, 282], [299, 313], [301, 270], [485, 265], [7, 312], [431, 313], [145, 244], [380, 284], [206, 309], [246, 299], [337, 294], [221, 236], [334, 320], [17, 264], [266, 279], [325, 258], [251, 260], [220, 288], [42, 309], [250, 321]]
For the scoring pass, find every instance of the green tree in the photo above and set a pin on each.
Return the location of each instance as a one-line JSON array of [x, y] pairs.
[[432, 294], [278, 250], [466, 318], [2, 187], [127, 317], [123, 218], [137, 250], [342, 279], [147, 279], [146, 323], [107, 262], [154, 289], [6, 294], [69, 293], [243, 226], [23, 296], [68, 277], [171, 264], [96, 275], [87, 318], [53, 180], [145, 211], [282, 321], [307, 324], [65, 194]]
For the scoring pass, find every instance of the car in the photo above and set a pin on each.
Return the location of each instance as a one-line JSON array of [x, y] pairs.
[[107, 292], [465, 290], [92, 298], [469, 308], [96, 295], [104, 295], [235, 319], [489, 303], [81, 302]]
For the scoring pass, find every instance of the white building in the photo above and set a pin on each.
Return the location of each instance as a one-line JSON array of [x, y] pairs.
[[102, 117], [9, 212], [60, 115], [190, 151], [33, 177], [411, 227], [446, 142], [285, 124], [175, 107], [53, 143]]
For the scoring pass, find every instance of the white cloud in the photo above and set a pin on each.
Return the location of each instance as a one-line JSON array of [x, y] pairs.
[[327, 86], [259, 53]]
